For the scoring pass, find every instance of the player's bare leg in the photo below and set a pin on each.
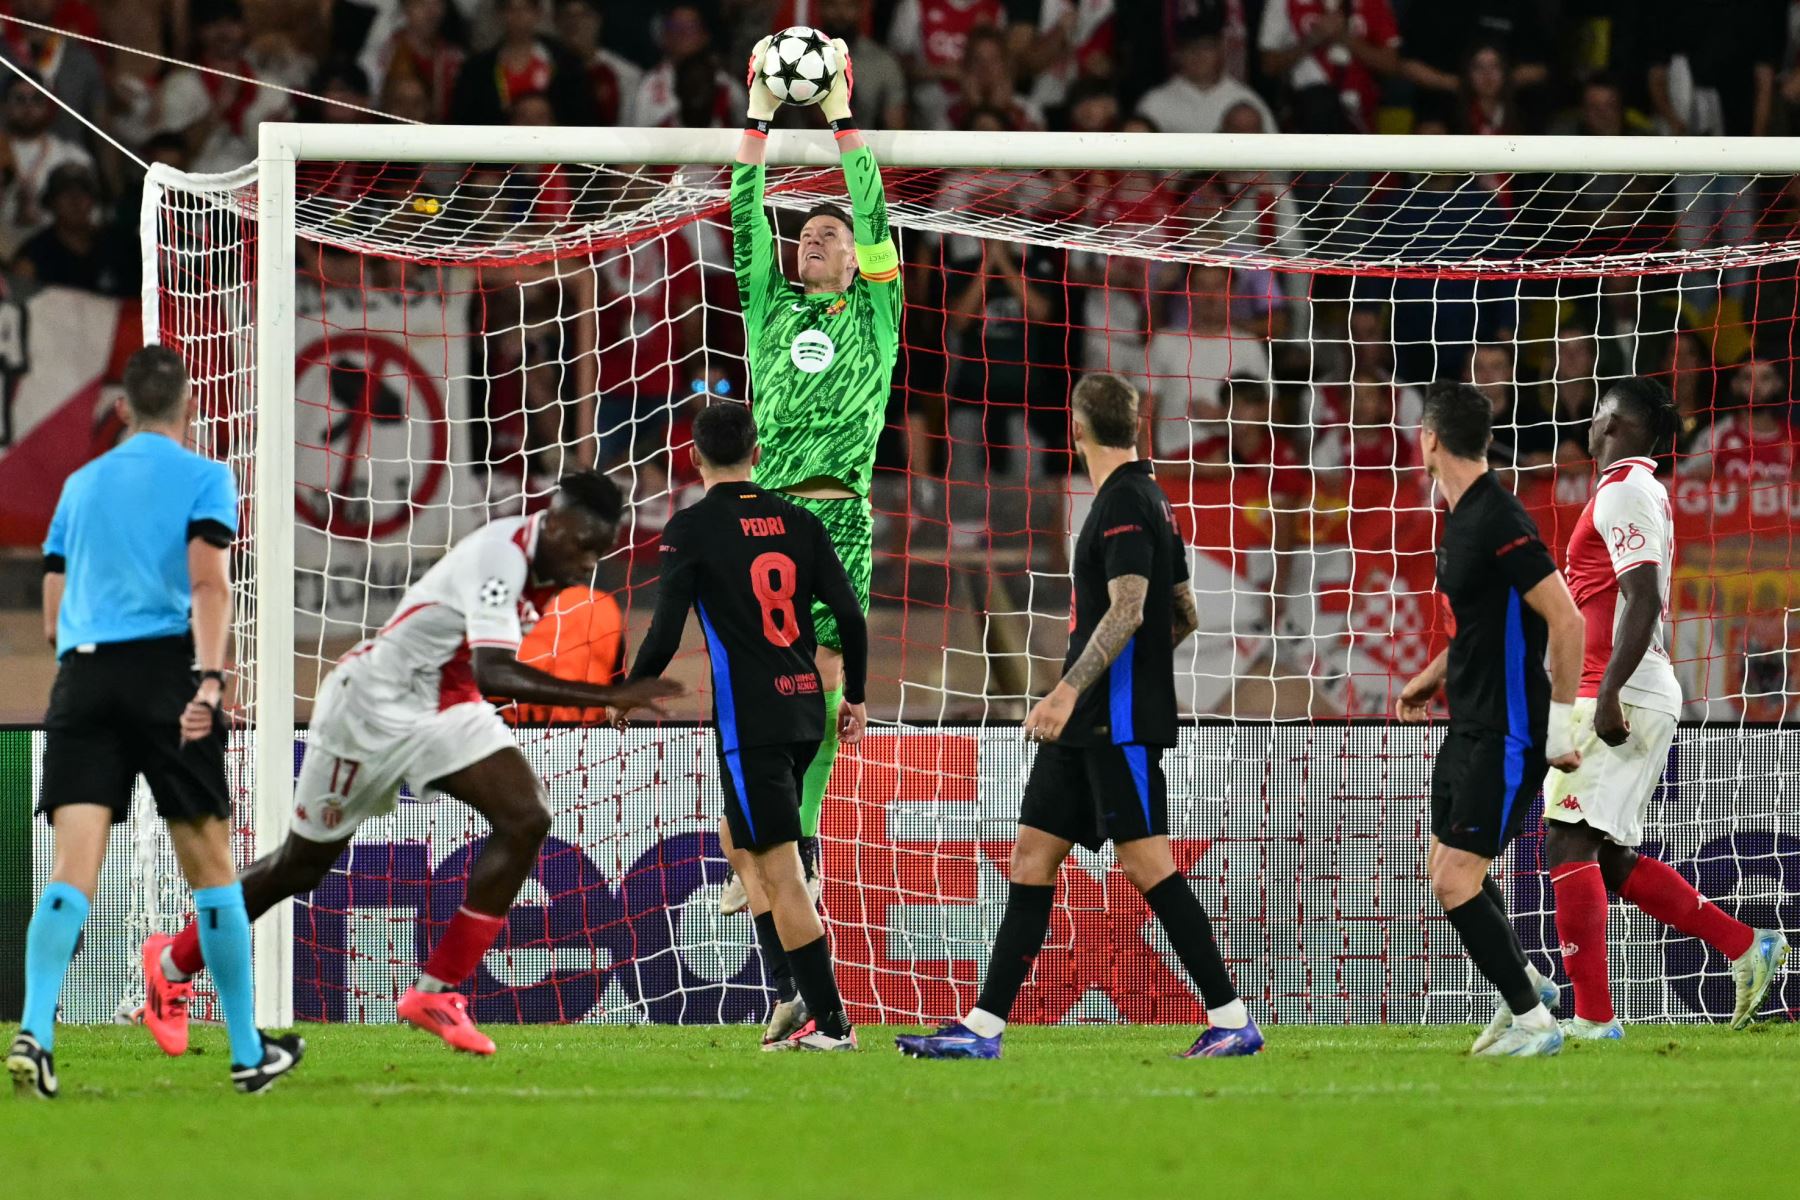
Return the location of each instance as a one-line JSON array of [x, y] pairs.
[[1031, 893], [503, 788], [1459, 881], [1572, 859], [776, 874], [1150, 865], [789, 1012], [1659, 891]]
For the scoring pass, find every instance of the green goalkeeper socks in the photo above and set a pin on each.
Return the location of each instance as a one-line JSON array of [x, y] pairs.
[[819, 774]]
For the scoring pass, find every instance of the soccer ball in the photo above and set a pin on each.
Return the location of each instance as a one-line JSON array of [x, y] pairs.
[[800, 65]]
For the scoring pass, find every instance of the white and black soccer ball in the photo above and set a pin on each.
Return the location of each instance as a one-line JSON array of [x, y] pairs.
[[800, 65]]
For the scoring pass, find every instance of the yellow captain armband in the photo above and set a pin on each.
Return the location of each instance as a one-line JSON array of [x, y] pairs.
[[879, 263]]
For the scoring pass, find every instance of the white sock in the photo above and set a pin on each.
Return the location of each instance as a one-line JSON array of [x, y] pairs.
[[1538, 1018], [983, 1023], [427, 984], [1228, 1016], [1536, 976], [168, 966]]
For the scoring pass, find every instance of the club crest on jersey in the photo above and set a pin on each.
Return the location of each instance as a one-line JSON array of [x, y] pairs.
[[812, 351]]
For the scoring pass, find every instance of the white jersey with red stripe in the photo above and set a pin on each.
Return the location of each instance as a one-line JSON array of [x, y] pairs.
[[1628, 524], [479, 594]]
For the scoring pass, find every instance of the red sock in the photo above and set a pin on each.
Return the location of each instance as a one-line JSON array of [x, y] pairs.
[[1581, 928], [459, 951], [1656, 888], [186, 951]]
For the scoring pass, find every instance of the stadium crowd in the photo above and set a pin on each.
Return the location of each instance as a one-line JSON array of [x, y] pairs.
[[1294, 373]]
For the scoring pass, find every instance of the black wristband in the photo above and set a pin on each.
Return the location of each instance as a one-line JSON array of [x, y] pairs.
[[216, 676], [756, 125], [840, 127]]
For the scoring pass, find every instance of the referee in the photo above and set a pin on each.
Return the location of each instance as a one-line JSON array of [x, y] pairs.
[[1509, 721], [137, 601]]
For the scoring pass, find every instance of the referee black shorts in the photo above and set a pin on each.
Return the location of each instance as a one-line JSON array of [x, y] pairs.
[[1481, 785], [115, 713], [763, 786], [1088, 794]]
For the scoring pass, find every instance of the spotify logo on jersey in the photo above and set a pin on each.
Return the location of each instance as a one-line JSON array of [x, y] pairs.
[[812, 351]]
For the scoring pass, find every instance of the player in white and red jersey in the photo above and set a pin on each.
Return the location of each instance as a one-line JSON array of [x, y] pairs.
[[408, 706], [1620, 560]]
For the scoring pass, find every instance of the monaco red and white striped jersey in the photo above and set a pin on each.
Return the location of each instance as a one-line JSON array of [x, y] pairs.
[[1627, 524], [479, 594]]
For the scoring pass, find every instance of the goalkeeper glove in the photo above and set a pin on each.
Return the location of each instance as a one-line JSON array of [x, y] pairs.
[[763, 103], [1559, 741], [836, 104]]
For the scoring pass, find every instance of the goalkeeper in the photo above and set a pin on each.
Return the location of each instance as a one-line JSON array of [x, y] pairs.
[[821, 360]]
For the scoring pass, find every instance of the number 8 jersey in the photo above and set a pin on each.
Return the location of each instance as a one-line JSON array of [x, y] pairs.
[[1627, 525], [750, 563]]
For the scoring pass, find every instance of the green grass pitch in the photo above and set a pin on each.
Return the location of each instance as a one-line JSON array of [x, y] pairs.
[[578, 1113]]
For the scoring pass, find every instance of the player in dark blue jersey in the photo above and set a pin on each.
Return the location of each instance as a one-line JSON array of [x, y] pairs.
[[1098, 775], [750, 563], [1509, 720]]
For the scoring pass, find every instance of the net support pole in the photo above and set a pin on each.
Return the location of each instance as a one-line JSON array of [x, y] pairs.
[[272, 509]]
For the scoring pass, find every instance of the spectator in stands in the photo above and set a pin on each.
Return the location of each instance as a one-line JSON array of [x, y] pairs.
[[581, 636], [1601, 111], [29, 154], [67, 67], [612, 80], [73, 250], [1200, 93], [987, 83], [524, 63], [931, 36], [1368, 458], [1524, 436], [1189, 366], [1117, 316], [1072, 42], [689, 86], [1692, 380], [1441, 38], [1575, 389], [420, 49], [1752, 442], [1259, 219], [217, 115], [1092, 106], [880, 80], [1245, 445], [1333, 57], [1485, 99]]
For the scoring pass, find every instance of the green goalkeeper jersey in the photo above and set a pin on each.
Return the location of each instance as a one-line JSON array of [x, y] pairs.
[[820, 364]]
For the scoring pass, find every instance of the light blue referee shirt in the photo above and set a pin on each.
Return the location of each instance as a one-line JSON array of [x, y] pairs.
[[121, 534]]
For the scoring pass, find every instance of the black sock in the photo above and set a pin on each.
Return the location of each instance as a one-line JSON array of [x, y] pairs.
[[1190, 931], [1492, 889], [1494, 948], [812, 971], [1016, 946], [775, 959]]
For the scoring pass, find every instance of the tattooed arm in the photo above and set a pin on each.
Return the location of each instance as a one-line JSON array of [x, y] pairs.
[[1124, 614], [1187, 617]]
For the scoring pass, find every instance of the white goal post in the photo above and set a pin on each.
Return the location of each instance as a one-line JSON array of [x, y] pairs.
[[285, 149]]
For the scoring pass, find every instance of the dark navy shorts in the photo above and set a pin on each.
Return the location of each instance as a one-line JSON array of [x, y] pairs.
[[1090, 794]]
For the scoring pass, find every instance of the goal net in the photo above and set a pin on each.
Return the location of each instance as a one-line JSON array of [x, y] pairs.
[[399, 334]]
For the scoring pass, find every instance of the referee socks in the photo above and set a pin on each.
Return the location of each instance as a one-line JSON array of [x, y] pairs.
[[49, 945], [224, 928]]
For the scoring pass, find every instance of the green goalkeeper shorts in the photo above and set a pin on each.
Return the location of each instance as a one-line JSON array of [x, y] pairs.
[[851, 526]]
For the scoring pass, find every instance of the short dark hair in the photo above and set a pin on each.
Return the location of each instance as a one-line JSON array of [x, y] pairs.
[[1648, 403], [1108, 406], [593, 493], [1462, 418], [725, 434], [156, 382], [827, 209]]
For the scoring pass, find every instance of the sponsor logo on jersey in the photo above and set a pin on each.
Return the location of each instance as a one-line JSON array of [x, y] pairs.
[[806, 684], [812, 351], [1569, 949], [762, 526]]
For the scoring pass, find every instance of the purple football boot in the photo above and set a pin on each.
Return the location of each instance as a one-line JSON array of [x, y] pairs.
[[1227, 1043], [954, 1040]]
